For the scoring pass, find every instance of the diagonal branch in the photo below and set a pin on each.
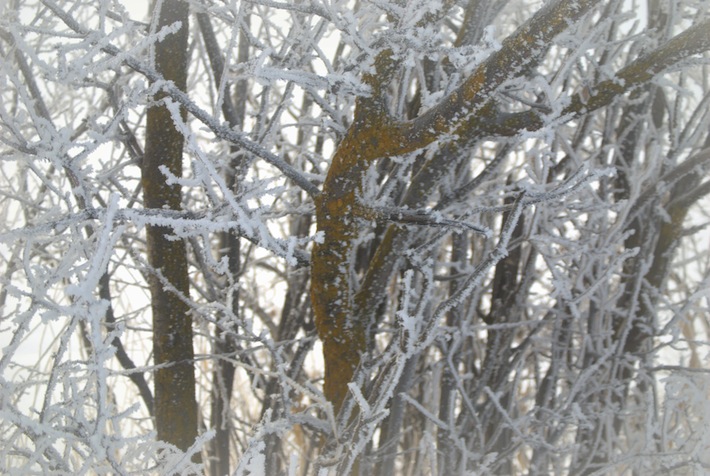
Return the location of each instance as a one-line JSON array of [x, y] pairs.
[[520, 50], [693, 41]]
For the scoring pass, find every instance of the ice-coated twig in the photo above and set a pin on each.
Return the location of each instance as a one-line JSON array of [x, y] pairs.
[[420, 217], [181, 222], [500, 252]]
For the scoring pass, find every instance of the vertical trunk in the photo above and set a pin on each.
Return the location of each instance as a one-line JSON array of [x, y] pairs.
[[175, 403], [331, 288], [224, 371]]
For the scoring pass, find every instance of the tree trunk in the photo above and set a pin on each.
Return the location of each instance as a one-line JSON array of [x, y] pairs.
[[175, 403]]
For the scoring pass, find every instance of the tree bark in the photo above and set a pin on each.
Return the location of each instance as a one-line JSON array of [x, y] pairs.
[[175, 403]]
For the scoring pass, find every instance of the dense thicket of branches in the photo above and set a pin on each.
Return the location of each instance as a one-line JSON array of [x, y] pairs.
[[402, 237]]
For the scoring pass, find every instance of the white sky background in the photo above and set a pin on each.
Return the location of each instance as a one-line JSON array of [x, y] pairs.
[[138, 9]]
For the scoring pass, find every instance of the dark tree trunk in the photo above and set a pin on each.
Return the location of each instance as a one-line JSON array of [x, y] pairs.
[[175, 404]]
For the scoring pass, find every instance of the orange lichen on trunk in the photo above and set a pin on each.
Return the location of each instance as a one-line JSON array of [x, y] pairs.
[[343, 338]]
